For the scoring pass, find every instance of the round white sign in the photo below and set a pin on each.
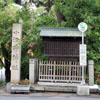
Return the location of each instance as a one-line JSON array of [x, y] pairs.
[[82, 27]]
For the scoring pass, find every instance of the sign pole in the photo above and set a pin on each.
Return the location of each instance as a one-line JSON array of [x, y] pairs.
[[82, 37], [82, 27], [83, 79]]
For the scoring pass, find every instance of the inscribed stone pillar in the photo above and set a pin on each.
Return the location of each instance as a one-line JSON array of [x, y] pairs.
[[16, 52], [33, 70], [91, 72]]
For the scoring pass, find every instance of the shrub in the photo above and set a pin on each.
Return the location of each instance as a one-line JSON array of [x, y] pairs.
[[98, 81], [24, 82]]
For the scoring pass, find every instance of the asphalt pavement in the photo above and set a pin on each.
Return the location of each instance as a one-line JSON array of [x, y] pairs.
[[33, 97]]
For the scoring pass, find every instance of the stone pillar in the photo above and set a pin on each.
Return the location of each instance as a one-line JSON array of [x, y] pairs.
[[33, 70], [16, 52], [91, 72]]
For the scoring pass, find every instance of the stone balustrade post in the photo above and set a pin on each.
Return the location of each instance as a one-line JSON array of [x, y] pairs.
[[91, 72], [33, 70]]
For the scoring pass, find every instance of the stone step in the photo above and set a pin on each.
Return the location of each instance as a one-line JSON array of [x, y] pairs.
[[60, 88], [53, 88]]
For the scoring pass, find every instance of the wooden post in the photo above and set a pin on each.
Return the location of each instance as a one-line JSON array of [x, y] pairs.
[[70, 72], [54, 70]]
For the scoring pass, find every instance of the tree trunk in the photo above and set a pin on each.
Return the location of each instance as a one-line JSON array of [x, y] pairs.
[[18, 1], [7, 63], [7, 70], [30, 1], [59, 17], [48, 5]]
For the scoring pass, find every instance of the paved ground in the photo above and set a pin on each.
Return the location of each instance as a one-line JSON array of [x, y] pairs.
[[45, 96], [48, 97]]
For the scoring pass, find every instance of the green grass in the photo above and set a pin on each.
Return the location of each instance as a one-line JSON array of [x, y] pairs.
[[2, 83]]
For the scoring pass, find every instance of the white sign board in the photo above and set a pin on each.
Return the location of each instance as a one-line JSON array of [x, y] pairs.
[[83, 56], [82, 27]]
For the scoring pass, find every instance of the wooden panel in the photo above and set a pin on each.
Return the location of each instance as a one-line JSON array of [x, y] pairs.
[[68, 49]]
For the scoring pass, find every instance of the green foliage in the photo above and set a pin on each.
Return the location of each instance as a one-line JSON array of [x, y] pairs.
[[30, 32], [39, 51], [1, 64], [98, 81], [2, 83], [30, 35], [46, 21], [76, 11], [58, 5], [96, 72], [7, 18]]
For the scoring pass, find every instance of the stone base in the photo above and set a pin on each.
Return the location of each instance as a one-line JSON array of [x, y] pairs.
[[83, 90], [17, 88], [20, 88], [57, 84], [53, 88], [8, 87], [93, 89]]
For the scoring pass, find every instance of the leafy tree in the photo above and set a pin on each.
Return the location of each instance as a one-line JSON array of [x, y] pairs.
[[7, 18], [6, 21]]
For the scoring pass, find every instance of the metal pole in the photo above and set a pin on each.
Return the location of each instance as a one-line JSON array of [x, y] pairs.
[[83, 80], [82, 37]]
